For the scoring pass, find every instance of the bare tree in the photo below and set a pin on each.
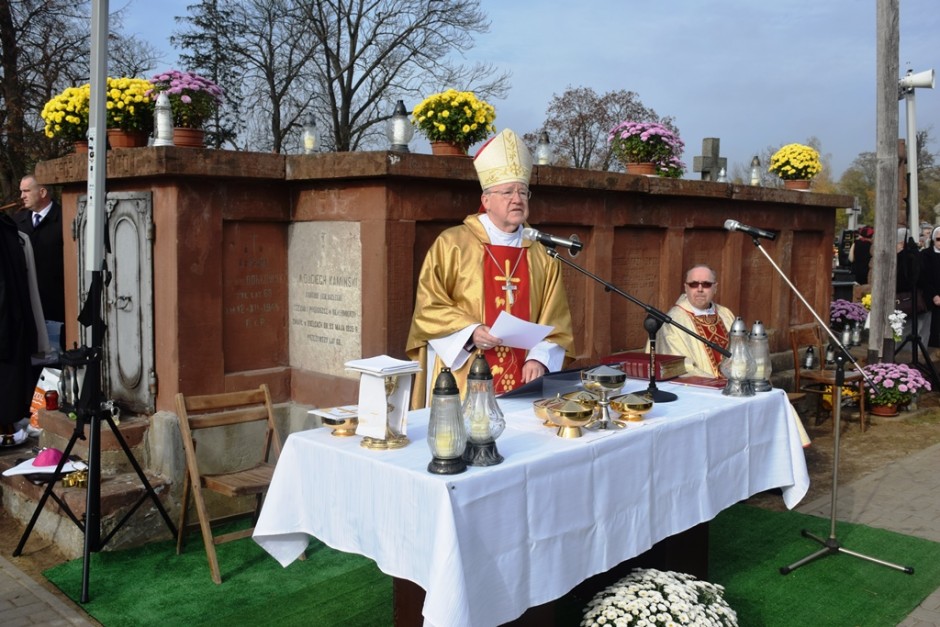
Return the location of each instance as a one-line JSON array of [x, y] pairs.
[[44, 47], [346, 61], [132, 56], [579, 121], [372, 52]]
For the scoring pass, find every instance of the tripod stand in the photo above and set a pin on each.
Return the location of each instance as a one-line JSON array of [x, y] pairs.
[[914, 336], [831, 545], [90, 411]]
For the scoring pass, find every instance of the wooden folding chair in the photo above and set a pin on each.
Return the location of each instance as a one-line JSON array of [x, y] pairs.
[[820, 381], [200, 415]]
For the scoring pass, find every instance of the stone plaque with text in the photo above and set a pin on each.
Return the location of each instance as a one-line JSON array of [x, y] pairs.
[[325, 296]]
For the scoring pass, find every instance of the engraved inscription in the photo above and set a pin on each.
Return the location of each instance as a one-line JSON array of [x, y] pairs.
[[325, 296]]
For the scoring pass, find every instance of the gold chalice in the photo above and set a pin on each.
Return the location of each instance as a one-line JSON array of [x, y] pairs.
[[631, 407], [602, 381], [570, 416], [540, 407]]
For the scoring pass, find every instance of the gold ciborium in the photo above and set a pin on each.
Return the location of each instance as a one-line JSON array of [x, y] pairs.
[[631, 407], [583, 396], [540, 407], [341, 427], [570, 416], [602, 381]]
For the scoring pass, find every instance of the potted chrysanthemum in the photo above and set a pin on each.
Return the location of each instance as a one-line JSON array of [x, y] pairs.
[[456, 119], [634, 143], [656, 598], [896, 385], [796, 164], [845, 313], [66, 115], [194, 99], [129, 112]]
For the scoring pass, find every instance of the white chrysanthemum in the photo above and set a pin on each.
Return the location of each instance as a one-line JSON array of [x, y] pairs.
[[658, 599]]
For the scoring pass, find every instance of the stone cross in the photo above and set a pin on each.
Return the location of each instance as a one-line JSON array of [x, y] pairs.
[[709, 164]]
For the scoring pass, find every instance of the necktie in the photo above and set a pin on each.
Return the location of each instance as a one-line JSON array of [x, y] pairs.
[[36, 219]]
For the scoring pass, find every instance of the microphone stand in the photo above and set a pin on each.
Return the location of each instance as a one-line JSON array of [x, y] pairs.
[[831, 545], [655, 319]]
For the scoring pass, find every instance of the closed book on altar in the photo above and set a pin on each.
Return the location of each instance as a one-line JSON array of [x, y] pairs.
[[636, 364]]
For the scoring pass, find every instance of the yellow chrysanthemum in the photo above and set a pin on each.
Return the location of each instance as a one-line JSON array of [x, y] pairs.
[[795, 162], [455, 116]]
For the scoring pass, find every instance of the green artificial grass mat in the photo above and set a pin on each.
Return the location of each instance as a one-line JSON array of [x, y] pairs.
[[748, 545], [151, 585]]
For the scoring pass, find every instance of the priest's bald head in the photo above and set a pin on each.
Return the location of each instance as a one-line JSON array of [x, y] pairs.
[[504, 166]]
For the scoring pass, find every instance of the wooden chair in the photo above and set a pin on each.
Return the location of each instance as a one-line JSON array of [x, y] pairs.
[[217, 412], [816, 380]]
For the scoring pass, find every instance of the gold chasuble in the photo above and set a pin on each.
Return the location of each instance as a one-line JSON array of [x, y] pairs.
[[465, 281]]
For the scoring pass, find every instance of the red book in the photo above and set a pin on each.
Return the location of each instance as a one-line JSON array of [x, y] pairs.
[[636, 364]]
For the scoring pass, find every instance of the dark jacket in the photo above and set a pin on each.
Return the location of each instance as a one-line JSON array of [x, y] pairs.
[[17, 327], [47, 252]]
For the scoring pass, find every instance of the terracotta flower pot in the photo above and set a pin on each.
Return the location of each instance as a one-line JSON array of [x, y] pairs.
[[189, 137], [645, 168], [801, 184], [80, 146], [884, 410], [448, 149], [119, 138]]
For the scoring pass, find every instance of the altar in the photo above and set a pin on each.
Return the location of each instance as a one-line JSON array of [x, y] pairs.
[[487, 544]]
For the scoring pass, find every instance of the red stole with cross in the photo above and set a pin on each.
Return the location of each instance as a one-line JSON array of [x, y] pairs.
[[505, 288]]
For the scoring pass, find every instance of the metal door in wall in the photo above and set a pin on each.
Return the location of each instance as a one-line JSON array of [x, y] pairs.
[[128, 371]]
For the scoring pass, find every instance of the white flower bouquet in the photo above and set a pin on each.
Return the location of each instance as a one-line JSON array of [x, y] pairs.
[[658, 599], [896, 320]]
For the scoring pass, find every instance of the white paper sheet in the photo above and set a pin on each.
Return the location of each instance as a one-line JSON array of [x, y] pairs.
[[518, 333]]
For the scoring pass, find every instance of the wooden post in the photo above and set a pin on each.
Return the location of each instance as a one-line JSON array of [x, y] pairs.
[[884, 256]]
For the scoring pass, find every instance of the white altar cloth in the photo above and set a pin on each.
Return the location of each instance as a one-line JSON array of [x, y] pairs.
[[491, 542]]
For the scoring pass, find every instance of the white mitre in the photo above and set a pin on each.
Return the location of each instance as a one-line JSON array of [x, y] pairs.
[[503, 159]]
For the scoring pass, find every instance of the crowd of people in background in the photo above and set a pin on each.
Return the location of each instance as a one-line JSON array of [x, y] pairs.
[[917, 285]]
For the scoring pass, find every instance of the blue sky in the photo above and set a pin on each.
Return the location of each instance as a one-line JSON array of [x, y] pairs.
[[752, 73]]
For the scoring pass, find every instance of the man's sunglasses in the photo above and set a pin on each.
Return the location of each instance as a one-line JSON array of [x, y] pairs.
[[696, 284]]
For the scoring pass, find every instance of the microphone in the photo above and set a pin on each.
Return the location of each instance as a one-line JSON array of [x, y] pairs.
[[551, 240], [734, 225]]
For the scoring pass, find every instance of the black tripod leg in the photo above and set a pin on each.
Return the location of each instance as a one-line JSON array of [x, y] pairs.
[[143, 479], [48, 491]]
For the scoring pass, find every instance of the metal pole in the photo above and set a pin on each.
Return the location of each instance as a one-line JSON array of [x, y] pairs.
[[97, 137], [912, 198]]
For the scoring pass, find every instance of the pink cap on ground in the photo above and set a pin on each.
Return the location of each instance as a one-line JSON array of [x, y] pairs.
[[48, 457]]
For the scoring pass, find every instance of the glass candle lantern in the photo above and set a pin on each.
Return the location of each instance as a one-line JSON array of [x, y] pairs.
[[398, 130], [759, 347], [483, 419], [739, 368], [447, 438]]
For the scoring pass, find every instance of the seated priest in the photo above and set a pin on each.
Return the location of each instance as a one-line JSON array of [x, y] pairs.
[[483, 267], [697, 311]]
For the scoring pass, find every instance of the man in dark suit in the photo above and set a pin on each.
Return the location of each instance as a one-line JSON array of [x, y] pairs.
[[41, 220]]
